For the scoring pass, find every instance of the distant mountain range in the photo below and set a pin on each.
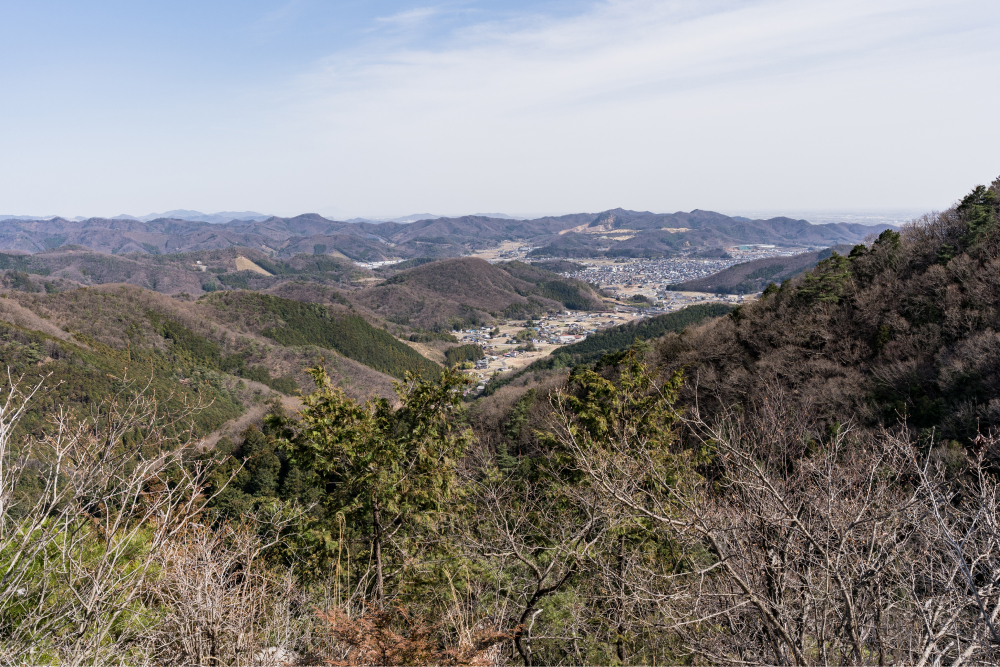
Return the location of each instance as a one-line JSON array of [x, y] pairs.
[[613, 233], [402, 219], [197, 216], [177, 214]]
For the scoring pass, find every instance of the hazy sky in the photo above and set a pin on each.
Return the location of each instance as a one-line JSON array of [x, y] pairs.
[[365, 107]]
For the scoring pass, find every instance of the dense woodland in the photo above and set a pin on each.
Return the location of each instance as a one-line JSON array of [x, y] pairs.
[[808, 479]]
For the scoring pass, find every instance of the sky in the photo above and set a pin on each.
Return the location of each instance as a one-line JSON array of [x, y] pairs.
[[384, 108]]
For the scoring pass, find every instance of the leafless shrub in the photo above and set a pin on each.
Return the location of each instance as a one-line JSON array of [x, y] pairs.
[[390, 636], [85, 511], [844, 549], [218, 602], [535, 536]]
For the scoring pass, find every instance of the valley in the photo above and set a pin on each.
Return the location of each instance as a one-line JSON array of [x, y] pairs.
[[372, 321], [281, 417], [512, 346]]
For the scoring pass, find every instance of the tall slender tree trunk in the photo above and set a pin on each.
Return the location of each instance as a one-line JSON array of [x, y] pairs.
[[620, 641], [377, 548]]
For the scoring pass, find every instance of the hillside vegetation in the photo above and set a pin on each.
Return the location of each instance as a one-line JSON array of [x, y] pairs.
[[293, 323], [754, 276], [902, 329], [80, 371], [202, 335], [190, 273], [457, 293]]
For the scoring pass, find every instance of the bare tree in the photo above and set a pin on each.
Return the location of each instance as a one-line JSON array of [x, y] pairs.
[[87, 508], [803, 549], [535, 536]]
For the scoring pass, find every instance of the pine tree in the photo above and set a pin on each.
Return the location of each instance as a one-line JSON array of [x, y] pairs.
[[385, 468]]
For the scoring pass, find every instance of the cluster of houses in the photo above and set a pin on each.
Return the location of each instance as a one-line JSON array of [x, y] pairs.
[[479, 336], [564, 328]]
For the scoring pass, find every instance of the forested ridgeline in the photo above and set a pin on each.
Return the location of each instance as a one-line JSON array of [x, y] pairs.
[[70, 267], [749, 490], [903, 329]]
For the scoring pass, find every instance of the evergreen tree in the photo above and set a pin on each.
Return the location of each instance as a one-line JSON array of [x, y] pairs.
[[389, 470]]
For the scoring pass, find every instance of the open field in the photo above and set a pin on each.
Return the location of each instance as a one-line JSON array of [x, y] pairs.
[[244, 264], [506, 251]]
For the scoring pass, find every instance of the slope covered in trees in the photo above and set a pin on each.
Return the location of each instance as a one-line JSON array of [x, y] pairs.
[[902, 329], [69, 267], [754, 276], [315, 324], [457, 293], [192, 337]]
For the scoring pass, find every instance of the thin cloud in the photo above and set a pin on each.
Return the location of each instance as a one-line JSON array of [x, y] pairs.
[[627, 48], [409, 18], [706, 85], [645, 104]]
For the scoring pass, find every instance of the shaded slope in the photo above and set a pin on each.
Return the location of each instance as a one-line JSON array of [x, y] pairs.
[[754, 276]]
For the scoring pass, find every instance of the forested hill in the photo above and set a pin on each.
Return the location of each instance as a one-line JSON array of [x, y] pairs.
[[753, 276], [457, 293], [903, 329], [236, 348], [808, 479]]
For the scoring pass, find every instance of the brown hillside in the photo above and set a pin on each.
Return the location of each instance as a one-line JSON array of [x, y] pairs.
[[469, 280], [461, 292], [118, 316]]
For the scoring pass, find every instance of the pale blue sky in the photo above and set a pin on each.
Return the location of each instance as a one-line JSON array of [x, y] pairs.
[[388, 108]]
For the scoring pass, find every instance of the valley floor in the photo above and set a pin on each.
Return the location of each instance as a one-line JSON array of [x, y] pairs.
[[549, 334]]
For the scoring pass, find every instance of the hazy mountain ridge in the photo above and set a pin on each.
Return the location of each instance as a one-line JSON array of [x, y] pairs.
[[629, 233], [651, 234]]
